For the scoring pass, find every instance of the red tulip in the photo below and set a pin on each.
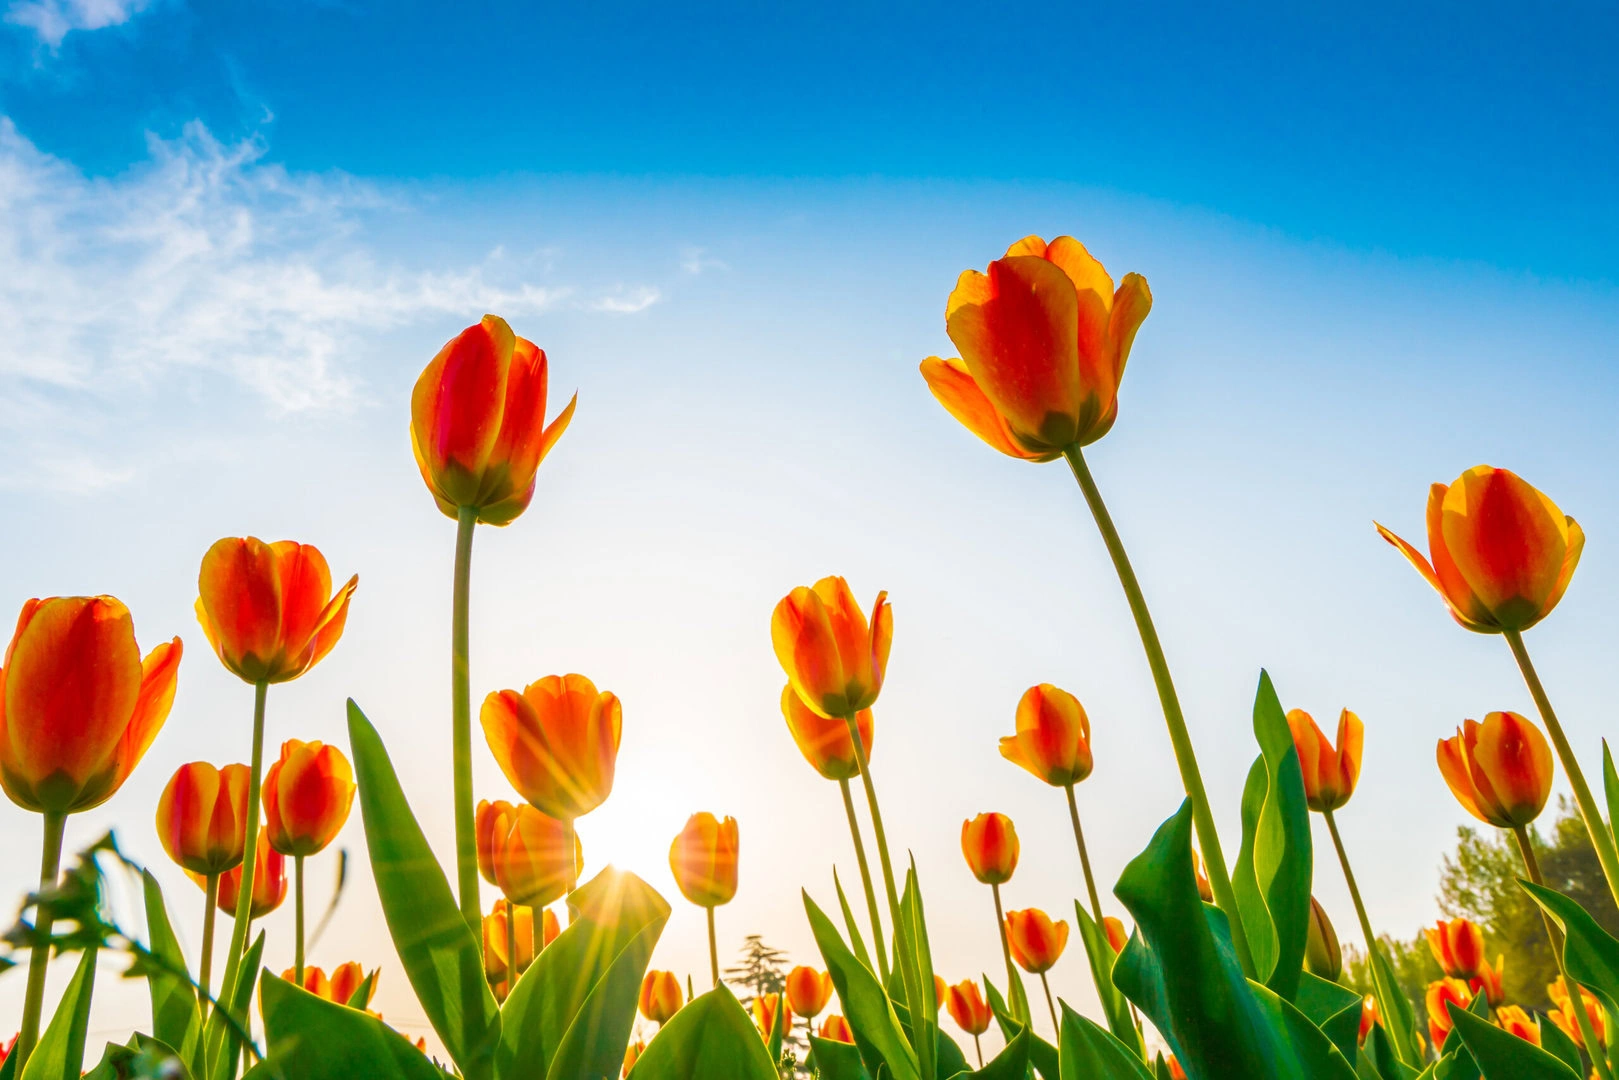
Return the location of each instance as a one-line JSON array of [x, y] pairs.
[[202, 817], [268, 609], [307, 795]]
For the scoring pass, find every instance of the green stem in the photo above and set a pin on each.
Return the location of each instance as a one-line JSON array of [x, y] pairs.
[[1576, 1003], [980, 1048], [1056, 1027], [1179, 737], [1006, 948], [50, 865], [1085, 861], [713, 946], [1601, 837], [466, 833], [298, 918], [570, 876], [209, 913], [1381, 990], [244, 894], [865, 879]]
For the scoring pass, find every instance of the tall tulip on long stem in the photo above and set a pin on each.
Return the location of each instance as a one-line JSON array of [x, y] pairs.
[[477, 426], [1044, 337], [703, 859], [989, 843], [308, 793], [201, 822], [78, 710]]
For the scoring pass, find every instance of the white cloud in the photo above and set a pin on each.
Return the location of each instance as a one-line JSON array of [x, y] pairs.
[[695, 260], [52, 20], [623, 301]]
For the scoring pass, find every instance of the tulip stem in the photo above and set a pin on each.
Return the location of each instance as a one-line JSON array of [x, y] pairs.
[[244, 894], [571, 873], [978, 1046], [511, 946], [298, 918], [50, 865], [1380, 989], [865, 879], [713, 947], [1601, 837], [466, 832], [1085, 860], [1006, 949], [209, 912], [1056, 1027], [1531, 865], [1179, 737]]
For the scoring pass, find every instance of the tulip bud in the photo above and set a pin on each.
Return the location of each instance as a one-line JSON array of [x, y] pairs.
[[808, 991], [1500, 770], [1458, 947], [836, 1029], [269, 880], [1513, 1019], [635, 1050], [1368, 1016], [833, 659], [967, 1007], [532, 860], [340, 988], [268, 609], [492, 823], [1329, 774], [1053, 739], [990, 845], [557, 742], [660, 996], [1117, 939], [1488, 981], [79, 706], [308, 792], [1036, 942], [1440, 994], [1321, 952], [824, 741], [703, 859], [764, 1014], [202, 817]]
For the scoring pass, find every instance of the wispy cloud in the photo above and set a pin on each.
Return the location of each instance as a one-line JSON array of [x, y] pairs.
[[53, 20], [627, 301], [695, 260]]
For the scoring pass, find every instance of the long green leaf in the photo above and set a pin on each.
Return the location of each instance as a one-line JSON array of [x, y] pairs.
[[1089, 1052], [866, 1005], [1333, 1008], [1503, 1056], [1115, 1008], [435, 944], [837, 1060], [924, 1017], [224, 1066], [856, 942], [1610, 787], [143, 1057], [710, 1039], [1012, 1063], [1309, 1051], [59, 1055], [174, 1003], [311, 1038], [1393, 1005], [1560, 1046], [1042, 1055]]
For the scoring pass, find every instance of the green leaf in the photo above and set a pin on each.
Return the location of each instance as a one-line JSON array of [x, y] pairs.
[[224, 1067], [1333, 1008], [435, 945], [1311, 1052], [1502, 1055], [59, 1054], [1089, 1052], [143, 1057], [311, 1038], [1042, 1055], [1394, 1001], [175, 1018], [710, 1039], [362, 993], [1589, 952], [925, 1017], [777, 1031], [1012, 1063], [572, 1011], [837, 1060], [856, 942], [1272, 875], [1610, 786], [1560, 1046], [1099, 951], [866, 1006]]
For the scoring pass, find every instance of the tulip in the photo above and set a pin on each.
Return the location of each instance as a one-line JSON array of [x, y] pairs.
[[1053, 739], [836, 1029], [1205, 891], [765, 1007], [1488, 981], [307, 795], [1044, 338], [825, 742], [202, 823], [703, 860], [518, 941], [660, 996], [1441, 993], [1458, 947], [1037, 943], [1321, 952], [477, 422], [493, 821], [1329, 774], [557, 742], [1368, 1016], [269, 881], [633, 1054], [268, 610], [970, 1012], [808, 991], [532, 863], [833, 659], [345, 981], [989, 843], [550, 927], [1565, 1017], [1512, 1018], [939, 988], [1500, 770], [1117, 938]]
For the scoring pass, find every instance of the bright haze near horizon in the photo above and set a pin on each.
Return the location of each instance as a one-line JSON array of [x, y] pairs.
[[1381, 245]]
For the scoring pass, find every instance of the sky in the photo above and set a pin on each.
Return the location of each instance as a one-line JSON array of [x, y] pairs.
[[1381, 247]]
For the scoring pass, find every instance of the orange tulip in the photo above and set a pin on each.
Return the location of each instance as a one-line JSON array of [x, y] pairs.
[[1488, 981], [1329, 774], [1503, 553], [78, 705], [990, 845], [1441, 992], [268, 609], [824, 741], [1037, 942], [493, 822], [1563, 1015], [764, 1014], [495, 959], [1205, 892], [549, 928], [477, 422], [1458, 947], [703, 859], [633, 1054], [660, 996], [1044, 338], [532, 859], [202, 817], [1500, 770], [1512, 1018], [939, 988], [557, 742], [269, 880], [808, 991], [833, 659], [307, 795], [1368, 1016], [1053, 739], [1117, 939], [836, 1029], [967, 1007], [341, 987]]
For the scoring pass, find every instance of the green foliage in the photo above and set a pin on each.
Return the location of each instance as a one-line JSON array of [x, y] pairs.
[[60, 1053], [866, 1006], [1503, 1056], [711, 1039], [762, 970], [1088, 1052], [311, 1038], [1099, 951], [175, 1018], [1012, 1063]]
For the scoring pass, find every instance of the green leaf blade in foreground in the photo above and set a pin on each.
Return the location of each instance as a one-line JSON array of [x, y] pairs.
[[1333, 1008], [1089, 1052], [1116, 1010], [1042, 1055], [866, 1006], [224, 1066], [311, 1038], [710, 1039], [837, 1060], [59, 1054], [1590, 952], [435, 945], [1503, 1056], [174, 1003], [1012, 1063]]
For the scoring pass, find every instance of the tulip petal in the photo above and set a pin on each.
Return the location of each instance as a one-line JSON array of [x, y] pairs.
[[953, 386], [1351, 744], [1511, 765], [239, 597], [458, 402], [160, 674], [305, 587], [1453, 767], [1508, 542], [1131, 304], [330, 625], [801, 633]]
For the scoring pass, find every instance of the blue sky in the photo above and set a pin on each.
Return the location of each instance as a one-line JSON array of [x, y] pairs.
[[1381, 248]]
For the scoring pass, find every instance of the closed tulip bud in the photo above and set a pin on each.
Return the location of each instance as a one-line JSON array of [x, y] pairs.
[[1117, 937], [824, 741], [532, 860], [1500, 770], [1458, 947], [492, 823], [1368, 1016], [808, 991], [1053, 739], [78, 704], [1036, 942], [269, 880], [557, 742], [990, 845], [1488, 981], [307, 795], [1502, 552], [833, 659], [703, 859], [1513, 1019], [496, 962], [1440, 994], [1044, 338], [1563, 1015], [1329, 774], [967, 1007], [1321, 952], [202, 817], [660, 996], [633, 1054], [836, 1029], [268, 610], [764, 1014]]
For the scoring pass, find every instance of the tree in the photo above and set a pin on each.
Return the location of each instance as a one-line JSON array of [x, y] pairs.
[[762, 970]]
